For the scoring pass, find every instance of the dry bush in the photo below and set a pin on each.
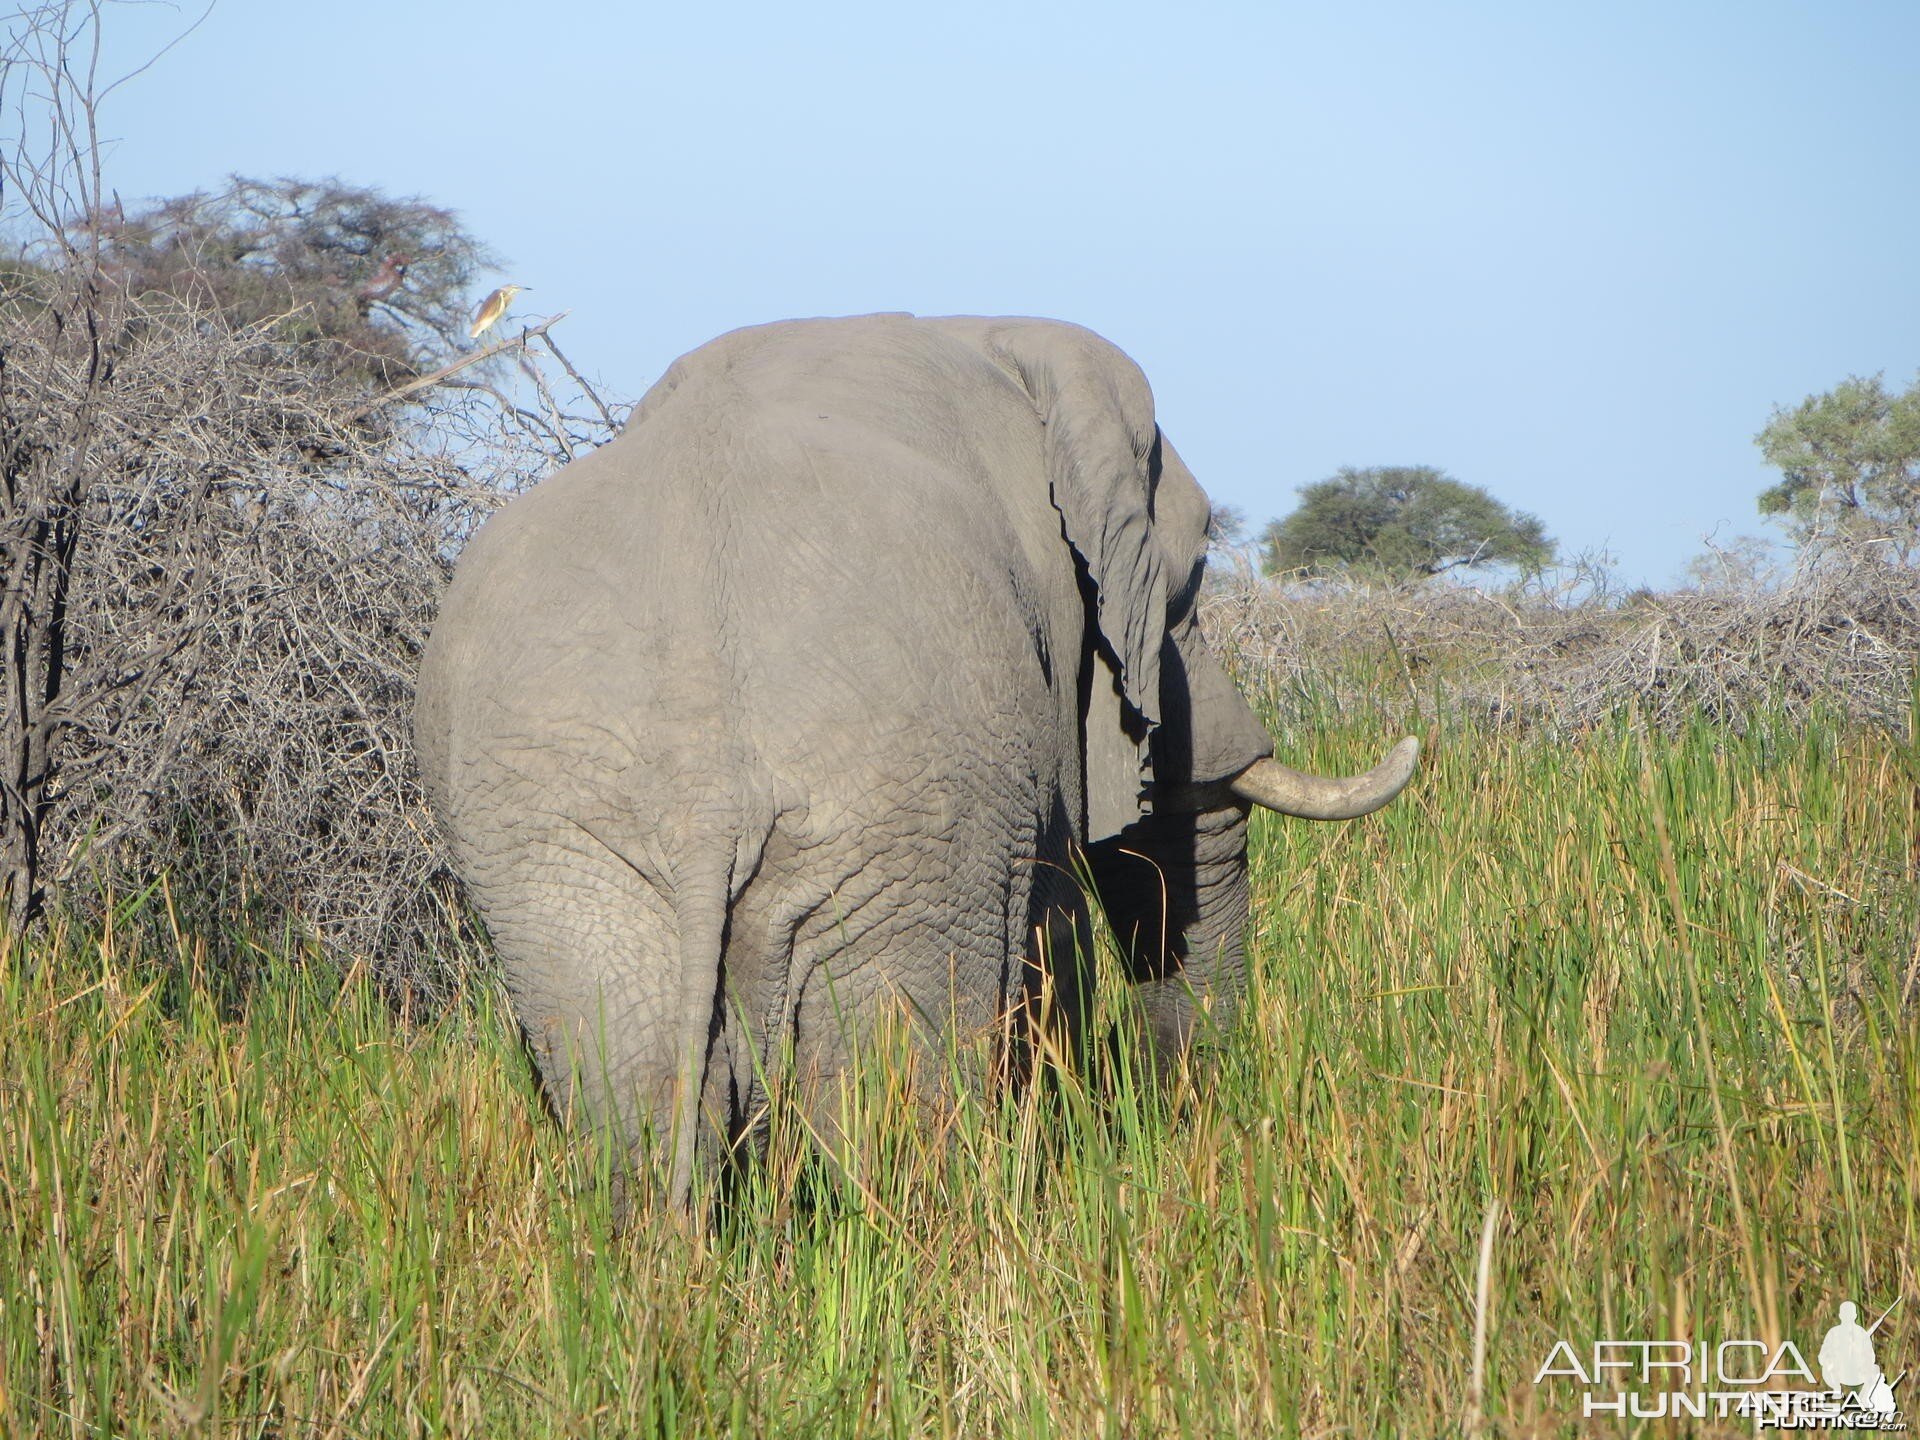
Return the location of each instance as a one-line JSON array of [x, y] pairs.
[[219, 591], [222, 540], [1840, 629], [260, 567]]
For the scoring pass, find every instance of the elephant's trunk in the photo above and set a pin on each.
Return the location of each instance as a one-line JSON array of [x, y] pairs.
[[1327, 797]]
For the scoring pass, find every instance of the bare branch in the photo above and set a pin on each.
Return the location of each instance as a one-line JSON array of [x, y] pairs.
[[412, 387], [606, 415]]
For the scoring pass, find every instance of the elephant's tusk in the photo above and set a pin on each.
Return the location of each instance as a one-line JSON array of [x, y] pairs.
[[1326, 797]]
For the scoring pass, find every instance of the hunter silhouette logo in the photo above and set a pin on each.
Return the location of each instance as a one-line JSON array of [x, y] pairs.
[[1847, 1361], [1770, 1384]]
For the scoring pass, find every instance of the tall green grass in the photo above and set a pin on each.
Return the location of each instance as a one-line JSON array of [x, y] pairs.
[[1637, 1012]]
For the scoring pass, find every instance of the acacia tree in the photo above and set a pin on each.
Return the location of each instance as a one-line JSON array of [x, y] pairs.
[[222, 533], [1850, 464], [373, 288], [1404, 521]]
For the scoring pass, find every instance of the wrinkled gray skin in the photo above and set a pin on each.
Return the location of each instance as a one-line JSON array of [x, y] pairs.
[[796, 702]]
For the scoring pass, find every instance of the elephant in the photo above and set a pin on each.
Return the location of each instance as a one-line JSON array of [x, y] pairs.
[[807, 699]]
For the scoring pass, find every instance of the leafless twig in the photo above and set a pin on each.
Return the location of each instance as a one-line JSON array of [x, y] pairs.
[[413, 387]]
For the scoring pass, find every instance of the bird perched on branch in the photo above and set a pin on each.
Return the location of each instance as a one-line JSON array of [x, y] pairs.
[[492, 308]]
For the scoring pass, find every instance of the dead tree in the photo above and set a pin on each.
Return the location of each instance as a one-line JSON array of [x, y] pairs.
[[67, 329]]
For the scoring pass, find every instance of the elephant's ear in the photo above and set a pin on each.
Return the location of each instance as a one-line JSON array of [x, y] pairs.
[[1099, 440]]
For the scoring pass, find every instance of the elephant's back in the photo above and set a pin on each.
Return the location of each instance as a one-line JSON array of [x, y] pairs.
[[843, 557]]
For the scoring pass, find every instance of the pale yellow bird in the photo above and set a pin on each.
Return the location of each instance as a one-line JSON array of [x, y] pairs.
[[492, 308]]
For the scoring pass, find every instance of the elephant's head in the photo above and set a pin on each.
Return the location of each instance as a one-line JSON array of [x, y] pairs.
[[1174, 756]]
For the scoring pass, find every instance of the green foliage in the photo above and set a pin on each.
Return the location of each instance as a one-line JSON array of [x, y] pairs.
[[1849, 461], [1640, 998], [373, 288], [1405, 521]]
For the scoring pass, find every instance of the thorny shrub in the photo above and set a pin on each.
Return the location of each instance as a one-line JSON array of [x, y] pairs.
[[260, 557], [1840, 629]]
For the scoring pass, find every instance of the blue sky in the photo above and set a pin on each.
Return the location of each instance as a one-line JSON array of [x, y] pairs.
[[1574, 254]]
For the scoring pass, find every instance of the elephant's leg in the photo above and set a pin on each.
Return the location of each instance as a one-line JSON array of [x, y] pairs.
[[925, 1003], [590, 947], [1060, 952], [1174, 889], [909, 927]]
